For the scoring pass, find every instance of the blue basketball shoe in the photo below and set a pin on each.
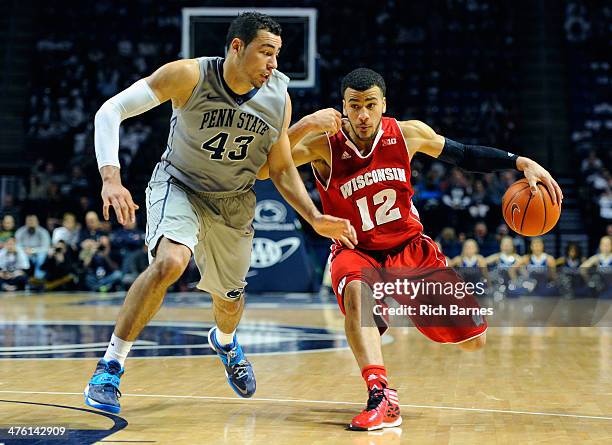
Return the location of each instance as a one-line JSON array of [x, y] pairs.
[[102, 391], [238, 370]]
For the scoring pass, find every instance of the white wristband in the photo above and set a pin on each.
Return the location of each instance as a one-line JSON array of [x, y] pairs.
[[132, 101]]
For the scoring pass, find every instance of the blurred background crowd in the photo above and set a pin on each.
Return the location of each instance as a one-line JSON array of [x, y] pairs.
[[455, 64]]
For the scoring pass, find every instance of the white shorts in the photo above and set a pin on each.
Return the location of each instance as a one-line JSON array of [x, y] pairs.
[[216, 227]]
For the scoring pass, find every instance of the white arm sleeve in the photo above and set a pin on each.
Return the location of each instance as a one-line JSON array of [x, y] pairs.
[[132, 101]]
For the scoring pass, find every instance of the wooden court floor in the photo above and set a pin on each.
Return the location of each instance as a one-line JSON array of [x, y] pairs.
[[529, 385]]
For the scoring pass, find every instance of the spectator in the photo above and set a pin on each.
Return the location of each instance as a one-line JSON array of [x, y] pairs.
[[605, 205], [13, 266], [7, 230], [449, 243], [472, 266], [486, 242], [518, 241], [10, 207], [93, 228], [100, 271], [541, 269], [68, 232], [600, 265], [127, 239], [480, 205], [78, 184], [457, 199], [59, 268], [591, 164], [35, 241], [571, 279], [505, 261], [134, 264]]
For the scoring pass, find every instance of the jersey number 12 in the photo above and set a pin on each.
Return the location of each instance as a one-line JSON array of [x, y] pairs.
[[384, 214]]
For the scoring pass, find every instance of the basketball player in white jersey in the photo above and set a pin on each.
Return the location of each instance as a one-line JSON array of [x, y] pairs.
[[230, 116]]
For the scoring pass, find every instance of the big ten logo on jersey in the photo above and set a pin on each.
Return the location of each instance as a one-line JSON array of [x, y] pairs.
[[389, 141], [229, 119], [271, 216]]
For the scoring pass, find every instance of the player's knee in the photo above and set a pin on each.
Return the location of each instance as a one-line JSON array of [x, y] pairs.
[[352, 298], [474, 344], [168, 268]]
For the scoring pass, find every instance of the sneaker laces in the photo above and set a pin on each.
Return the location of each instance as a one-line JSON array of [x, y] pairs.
[[376, 396], [112, 369], [241, 369], [110, 386]]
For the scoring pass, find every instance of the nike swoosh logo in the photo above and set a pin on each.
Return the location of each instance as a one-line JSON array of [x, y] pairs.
[[510, 154], [245, 392], [514, 208], [209, 97], [112, 344]]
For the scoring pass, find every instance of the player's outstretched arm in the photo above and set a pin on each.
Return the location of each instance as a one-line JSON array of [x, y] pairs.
[[308, 138], [285, 176], [174, 81], [420, 137]]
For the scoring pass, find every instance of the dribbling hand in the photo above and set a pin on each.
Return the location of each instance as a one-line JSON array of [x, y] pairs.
[[535, 173]]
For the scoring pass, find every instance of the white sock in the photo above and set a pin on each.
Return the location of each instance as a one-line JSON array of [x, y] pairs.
[[222, 338], [118, 349]]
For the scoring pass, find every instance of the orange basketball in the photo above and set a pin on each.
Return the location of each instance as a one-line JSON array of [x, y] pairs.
[[527, 214]]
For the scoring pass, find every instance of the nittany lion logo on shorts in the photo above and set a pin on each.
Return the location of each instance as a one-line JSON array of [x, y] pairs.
[[234, 294]]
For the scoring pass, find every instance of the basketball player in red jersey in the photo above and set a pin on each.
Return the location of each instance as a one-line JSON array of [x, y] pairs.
[[362, 167]]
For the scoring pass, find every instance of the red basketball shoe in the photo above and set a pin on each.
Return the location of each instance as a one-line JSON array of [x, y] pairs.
[[382, 411]]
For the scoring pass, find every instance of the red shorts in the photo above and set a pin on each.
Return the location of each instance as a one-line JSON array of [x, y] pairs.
[[418, 258]]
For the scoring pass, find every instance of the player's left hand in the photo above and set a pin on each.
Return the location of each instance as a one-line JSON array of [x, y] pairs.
[[535, 173], [336, 228]]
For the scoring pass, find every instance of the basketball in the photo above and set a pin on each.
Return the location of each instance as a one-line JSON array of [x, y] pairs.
[[527, 214]]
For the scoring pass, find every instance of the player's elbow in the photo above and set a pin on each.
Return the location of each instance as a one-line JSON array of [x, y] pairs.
[[108, 112], [277, 173]]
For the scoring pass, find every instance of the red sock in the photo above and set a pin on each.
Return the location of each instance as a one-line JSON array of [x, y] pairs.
[[375, 376]]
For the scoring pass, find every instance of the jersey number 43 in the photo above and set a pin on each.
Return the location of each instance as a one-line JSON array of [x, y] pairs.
[[217, 146]]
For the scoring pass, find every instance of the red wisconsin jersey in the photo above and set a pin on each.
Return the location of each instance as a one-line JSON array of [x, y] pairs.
[[373, 192]]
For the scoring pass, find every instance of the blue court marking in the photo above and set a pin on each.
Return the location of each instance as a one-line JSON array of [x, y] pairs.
[[203, 300], [71, 436], [83, 339]]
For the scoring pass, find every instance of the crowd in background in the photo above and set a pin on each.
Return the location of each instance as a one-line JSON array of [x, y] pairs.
[[97, 257], [589, 44], [456, 70], [90, 256]]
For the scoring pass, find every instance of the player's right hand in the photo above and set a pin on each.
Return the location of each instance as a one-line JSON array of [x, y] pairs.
[[116, 195], [328, 120], [336, 228]]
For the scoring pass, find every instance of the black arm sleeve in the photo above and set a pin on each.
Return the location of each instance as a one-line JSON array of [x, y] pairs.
[[477, 158]]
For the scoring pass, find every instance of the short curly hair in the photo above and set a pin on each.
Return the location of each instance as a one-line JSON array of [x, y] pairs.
[[246, 25], [362, 79]]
